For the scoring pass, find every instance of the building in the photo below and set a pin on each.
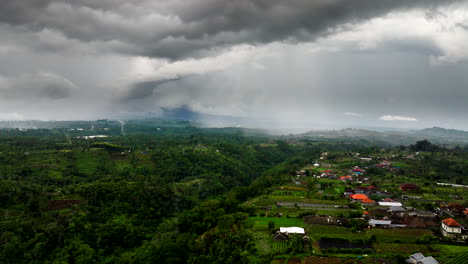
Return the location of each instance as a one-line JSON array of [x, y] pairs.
[[359, 197], [380, 223], [346, 178], [292, 230], [390, 204], [419, 258], [368, 202], [396, 209], [452, 229], [284, 233]]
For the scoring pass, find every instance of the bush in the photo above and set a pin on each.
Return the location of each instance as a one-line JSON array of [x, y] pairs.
[[271, 225]]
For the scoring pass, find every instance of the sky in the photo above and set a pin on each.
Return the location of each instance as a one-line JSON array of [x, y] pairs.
[[269, 63]]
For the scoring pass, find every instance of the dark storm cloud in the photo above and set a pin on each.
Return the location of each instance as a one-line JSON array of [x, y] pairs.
[[144, 90], [177, 29], [40, 85]]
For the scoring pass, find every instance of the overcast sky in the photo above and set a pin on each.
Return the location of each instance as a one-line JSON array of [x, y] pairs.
[[297, 63]]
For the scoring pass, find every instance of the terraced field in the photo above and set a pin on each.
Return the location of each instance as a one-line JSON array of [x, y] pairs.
[[453, 259]]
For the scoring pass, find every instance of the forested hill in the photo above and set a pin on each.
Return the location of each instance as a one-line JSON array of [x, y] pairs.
[[138, 198], [435, 135]]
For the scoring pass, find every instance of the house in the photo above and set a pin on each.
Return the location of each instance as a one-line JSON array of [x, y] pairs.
[[455, 208], [292, 230], [368, 202], [409, 187], [346, 178], [452, 229], [396, 209], [390, 204], [380, 223], [419, 258], [280, 236], [359, 197], [327, 171], [385, 164], [366, 159], [284, 233], [358, 170]]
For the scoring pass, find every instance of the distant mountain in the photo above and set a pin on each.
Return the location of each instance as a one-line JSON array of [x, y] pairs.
[[443, 132], [436, 135]]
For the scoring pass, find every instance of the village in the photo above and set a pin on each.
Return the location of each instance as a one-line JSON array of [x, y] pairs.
[[352, 206]]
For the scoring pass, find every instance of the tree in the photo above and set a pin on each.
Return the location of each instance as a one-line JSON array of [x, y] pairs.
[[271, 225]]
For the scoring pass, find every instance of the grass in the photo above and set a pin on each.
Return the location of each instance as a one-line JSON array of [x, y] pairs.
[[451, 249], [382, 235], [453, 259], [403, 235], [400, 248], [86, 162], [289, 198], [318, 231]]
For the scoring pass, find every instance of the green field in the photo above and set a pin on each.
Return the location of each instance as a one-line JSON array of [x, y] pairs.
[[403, 235], [453, 259], [318, 231], [87, 162], [451, 249], [400, 248]]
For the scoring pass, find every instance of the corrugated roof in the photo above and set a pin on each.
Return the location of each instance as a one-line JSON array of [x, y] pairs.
[[390, 204], [292, 230], [379, 222]]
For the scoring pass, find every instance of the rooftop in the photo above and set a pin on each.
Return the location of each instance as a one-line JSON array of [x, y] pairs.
[[451, 222], [359, 196], [379, 222], [292, 230], [390, 204]]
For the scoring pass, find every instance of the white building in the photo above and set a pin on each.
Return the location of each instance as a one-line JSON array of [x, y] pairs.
[[390, 204], [451, 228], [292, 230], [419, 258]]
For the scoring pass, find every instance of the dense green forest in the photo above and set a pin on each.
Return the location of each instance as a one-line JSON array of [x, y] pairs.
[[169, 198], [175, 195]]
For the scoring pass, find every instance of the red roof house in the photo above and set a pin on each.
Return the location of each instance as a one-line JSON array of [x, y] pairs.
[[451, 222], [359, 196], [346, 178], [368, 201]]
